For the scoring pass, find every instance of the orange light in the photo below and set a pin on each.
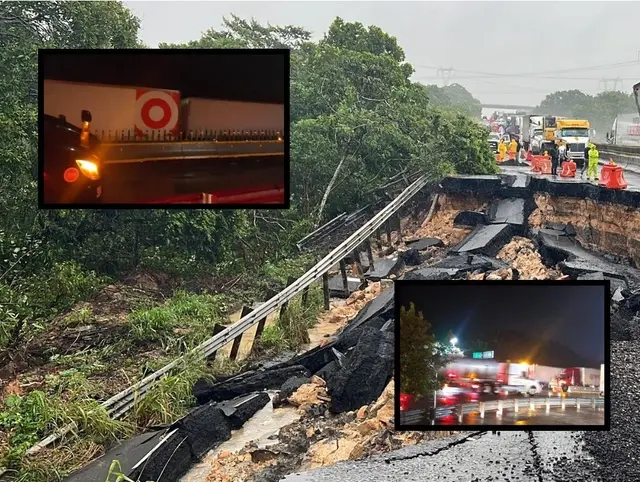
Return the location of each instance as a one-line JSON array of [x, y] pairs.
[[71, 175], [89, 168]]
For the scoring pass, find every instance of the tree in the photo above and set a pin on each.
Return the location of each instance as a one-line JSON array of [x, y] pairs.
[[600, 110], [417, 353], [456, 98]]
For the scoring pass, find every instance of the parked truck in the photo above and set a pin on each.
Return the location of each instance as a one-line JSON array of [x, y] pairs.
[[122, 113], [491, 376], [575, 133], [625, 131], [577, 377], [529, 124]]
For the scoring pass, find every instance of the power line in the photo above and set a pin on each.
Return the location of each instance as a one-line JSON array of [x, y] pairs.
[[537, 74]]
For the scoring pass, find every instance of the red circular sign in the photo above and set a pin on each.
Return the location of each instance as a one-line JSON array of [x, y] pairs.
[[166, 113]]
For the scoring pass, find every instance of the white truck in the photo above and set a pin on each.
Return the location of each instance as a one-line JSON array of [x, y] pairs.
[[122, 113], [625, 131], [529, 124]]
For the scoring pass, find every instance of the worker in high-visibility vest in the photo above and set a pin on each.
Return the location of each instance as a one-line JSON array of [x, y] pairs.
[[502, 150], [594, 157], [513, 149]]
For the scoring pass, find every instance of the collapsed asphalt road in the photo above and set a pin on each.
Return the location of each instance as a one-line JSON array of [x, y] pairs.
[[473, 457], [343, 389]]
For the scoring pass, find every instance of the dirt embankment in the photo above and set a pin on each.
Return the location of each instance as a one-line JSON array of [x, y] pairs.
[[608, 228]]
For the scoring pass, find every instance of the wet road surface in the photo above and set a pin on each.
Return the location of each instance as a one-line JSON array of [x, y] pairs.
[[147, 181], [631, 176], [570, 416], [475, 457]]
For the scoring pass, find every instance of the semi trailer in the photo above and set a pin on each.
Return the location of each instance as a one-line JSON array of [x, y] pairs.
[[121, 113], [491, 376]]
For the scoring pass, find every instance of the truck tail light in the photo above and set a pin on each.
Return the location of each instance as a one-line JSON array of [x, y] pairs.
[[89, 168], [71, 175]]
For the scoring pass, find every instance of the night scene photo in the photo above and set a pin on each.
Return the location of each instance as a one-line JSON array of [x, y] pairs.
[[503, 353], [152, 127]]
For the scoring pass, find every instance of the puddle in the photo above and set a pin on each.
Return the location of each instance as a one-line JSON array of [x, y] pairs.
[[260, 429]]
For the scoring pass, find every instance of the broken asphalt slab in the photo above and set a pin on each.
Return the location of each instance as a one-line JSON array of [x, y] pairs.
[[366, 373], [487, 240], [381, 306], [574, 260], [384, 268], [455, 266], [169, 453], [509, 211], [336, 286], [423, 243], [205, 391], [470, 218]]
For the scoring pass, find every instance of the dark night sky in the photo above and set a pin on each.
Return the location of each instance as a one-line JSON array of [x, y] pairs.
[[243, 76], [570, 315]]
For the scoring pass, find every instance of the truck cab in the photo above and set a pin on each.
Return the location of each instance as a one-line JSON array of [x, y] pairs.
[[72, 167], [575, 133]]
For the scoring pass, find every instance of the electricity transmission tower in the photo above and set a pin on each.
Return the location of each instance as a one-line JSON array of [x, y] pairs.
[[606, 83], [445, 74]]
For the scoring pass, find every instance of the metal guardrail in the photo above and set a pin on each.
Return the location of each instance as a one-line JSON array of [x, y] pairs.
[[121, 403], [130, 152], [422, 416]]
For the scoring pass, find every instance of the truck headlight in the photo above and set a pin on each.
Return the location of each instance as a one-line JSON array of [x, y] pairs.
[[89, 168]]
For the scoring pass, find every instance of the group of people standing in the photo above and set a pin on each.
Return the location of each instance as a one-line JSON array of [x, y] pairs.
[[560, 154]]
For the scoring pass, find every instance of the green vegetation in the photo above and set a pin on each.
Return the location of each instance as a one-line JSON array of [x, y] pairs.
[[418, 361], [601, 109], [65, 316]]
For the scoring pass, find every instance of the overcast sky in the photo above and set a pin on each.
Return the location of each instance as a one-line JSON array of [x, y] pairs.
[[571, 315], [473, 38]]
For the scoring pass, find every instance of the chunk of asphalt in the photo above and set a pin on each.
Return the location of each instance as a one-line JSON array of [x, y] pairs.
[[381, 305], [470, 218], [168, 461], [336, 286], [366, 373], [424, 243], [205, 428], [291, 385], [205, 391], [313, 360], [487, 240], [240, 410], [384, 268], [472, 184], [508, 211], [327, 371], [616, 283], [429, 274], [350, 338], [128, 453], [411, 257]]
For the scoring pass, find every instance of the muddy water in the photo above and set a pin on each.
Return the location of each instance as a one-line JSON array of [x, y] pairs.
[[247, 337], [261, 429]]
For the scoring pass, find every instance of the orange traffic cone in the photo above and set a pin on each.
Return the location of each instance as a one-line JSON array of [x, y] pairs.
[[612, 176]]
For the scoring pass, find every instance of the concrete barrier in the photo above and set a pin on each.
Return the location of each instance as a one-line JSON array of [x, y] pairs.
[[624, 158]]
